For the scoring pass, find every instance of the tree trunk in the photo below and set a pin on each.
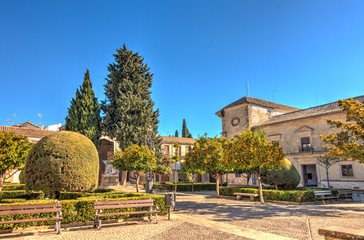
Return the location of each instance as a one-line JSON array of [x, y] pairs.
[[137, 183], [192, 182], [276, 186], [260, 190], [217, 177], [175, 177], [327, 177], [247, 179]]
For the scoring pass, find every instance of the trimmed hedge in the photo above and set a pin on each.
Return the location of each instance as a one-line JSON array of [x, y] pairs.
[[276, 195], [80, 210], [21, 194], [13, 186], [184, 187]]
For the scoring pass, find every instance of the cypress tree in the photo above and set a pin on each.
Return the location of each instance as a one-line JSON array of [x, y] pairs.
[[185, 132], [129, 116], [84, 112], [176, 134]]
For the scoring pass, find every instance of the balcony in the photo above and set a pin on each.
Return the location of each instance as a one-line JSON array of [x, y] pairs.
[[307, 149]]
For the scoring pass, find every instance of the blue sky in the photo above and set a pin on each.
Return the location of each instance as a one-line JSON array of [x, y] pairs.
[[202, 53]]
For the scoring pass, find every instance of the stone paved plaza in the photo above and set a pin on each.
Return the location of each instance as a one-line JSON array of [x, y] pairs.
[[201, 216]]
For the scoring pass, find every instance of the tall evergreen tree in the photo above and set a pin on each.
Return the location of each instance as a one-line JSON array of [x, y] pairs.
[[185, 132], [176, 133], [84, 112], [128, 108]]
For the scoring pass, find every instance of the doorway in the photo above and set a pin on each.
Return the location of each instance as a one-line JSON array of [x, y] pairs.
[[309, 175]]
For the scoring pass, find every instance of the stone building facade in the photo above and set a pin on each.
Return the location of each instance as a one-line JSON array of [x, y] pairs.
[[298, 132], [169, 150]]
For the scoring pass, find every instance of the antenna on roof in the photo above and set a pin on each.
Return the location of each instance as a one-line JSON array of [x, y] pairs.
[[247, 88]]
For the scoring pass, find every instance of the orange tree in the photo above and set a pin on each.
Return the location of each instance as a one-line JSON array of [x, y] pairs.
[[207, 155], [189, 170], [349, 142], [135, 158], [252, 150], [13, 153]]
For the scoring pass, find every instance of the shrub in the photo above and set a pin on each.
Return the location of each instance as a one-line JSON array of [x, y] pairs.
[[276, 195], [22, 177], [287, 177], [63, 161], [13, 186]]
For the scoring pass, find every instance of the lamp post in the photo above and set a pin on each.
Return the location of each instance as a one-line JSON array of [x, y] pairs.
[[150, 175]]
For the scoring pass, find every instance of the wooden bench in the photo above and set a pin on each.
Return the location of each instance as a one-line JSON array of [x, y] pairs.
[[34, 208], [252, 196], [325, 195], [104, 205], [345, 194]]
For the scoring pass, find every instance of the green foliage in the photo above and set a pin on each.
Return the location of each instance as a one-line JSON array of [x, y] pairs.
[[21, 194], [13, 186], [22, 176], [286, 177], [134, 158], [348, 143], [184, 187], [176, 134], [13, 153], [63, 161], [185, 132], [164, 165], [84, 112], [79, 210], [252, 151], [128, 108], [275, 195], [207, 155]]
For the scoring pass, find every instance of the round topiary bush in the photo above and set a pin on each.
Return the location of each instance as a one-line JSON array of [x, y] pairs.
[[22, 177], [287, 177], [63, 161]]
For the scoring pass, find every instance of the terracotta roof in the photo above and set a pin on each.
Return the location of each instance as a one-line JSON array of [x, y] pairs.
[[29, 132], [259, 102], [309, 112], [180, 140]]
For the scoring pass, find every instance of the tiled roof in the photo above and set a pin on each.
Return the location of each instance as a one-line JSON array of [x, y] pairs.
[[180, 140], [259, 102], [309, 112], [29, 132]]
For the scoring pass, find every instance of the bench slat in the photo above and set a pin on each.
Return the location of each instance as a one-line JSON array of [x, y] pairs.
[[44, 210], [124, 206], [125, 213], [14, 207], [31, 220], [247, 194], [97, 203]]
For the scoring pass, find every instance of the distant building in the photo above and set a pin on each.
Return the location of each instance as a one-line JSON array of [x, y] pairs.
[[298, 133], [31, 131]]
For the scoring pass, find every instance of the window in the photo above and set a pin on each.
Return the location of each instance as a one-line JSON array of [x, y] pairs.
[[347, 170], [186, 149], [237, 175], [179, 151], [305, 144], [166, 149]]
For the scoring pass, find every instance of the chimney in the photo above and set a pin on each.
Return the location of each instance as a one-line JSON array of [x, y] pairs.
[[42, 125]]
